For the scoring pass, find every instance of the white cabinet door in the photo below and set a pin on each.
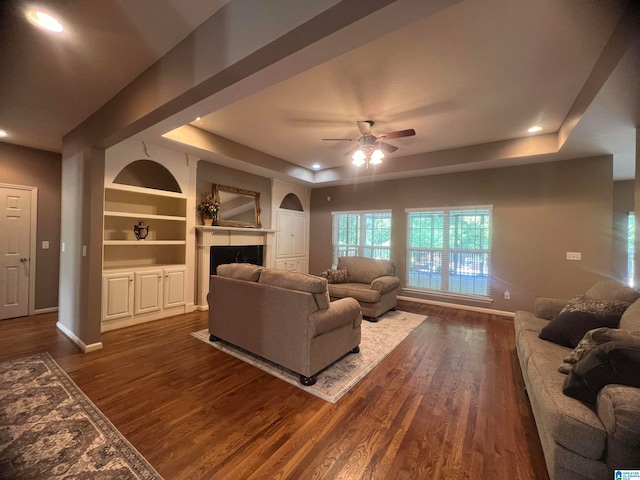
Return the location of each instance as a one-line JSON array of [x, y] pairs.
[[117, 295], [148, 291], [174, 283], [291, 239], [298, 238], [283, 235]]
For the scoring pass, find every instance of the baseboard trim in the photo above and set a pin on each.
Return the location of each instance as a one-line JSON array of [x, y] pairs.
[[75, 339], [470, 308], [202, 308], [39, 311]]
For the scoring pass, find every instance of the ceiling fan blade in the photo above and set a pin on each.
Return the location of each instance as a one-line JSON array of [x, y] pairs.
[[365, 127], [338, 139], [401, 133], [386, 147]]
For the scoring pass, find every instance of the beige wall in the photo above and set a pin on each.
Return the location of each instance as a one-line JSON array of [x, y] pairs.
[[41, 169], [540, 212]]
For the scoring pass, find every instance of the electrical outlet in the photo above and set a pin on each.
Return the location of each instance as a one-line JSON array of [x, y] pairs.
[[507, 295], [574, 255]]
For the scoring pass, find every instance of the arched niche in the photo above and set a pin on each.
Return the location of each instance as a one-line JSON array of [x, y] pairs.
[[148, 174], [292, 202]]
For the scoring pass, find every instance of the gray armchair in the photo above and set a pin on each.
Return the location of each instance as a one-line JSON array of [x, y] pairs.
[[372, 282]]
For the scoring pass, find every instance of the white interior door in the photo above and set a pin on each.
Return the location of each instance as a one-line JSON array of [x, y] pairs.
[[15, 244]]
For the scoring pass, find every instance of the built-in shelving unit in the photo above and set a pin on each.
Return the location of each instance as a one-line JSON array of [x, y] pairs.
[[145, 279], [164, 213]]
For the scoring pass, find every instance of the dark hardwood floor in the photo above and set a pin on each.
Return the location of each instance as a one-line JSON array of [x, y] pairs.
[[448, 403]]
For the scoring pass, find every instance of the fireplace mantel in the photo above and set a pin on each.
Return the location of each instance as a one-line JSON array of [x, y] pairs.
[[208, 237]]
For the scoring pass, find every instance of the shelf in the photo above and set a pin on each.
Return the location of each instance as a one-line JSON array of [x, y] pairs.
[[143, 243], [148, 216], [141, 267], [144, 190]]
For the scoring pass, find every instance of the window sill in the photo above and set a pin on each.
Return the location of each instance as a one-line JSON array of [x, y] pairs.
[[456, 296]]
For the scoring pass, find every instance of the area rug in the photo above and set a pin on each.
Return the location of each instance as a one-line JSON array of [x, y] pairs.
[[49, 429], [378, 340]]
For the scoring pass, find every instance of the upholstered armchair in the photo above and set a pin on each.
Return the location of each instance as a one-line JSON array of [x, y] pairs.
[[372, 282]]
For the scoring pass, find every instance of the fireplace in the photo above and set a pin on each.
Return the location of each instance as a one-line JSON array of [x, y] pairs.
[[218, 245], [220, 255]]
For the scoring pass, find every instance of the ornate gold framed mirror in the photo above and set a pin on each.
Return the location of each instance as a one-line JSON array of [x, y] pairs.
[[238, 207]]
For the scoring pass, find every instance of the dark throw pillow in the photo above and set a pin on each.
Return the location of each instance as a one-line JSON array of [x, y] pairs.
[[611, 362], [593, 339], [568, 328], [336, 276]]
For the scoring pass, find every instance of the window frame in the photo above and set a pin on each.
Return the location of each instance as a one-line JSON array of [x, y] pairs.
[[360, 247], [441, 251]]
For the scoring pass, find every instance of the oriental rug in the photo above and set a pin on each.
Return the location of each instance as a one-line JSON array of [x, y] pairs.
[[49, 429], [378, 340]]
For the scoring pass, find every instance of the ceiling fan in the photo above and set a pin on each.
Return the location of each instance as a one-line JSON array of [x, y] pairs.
[[370, 147]]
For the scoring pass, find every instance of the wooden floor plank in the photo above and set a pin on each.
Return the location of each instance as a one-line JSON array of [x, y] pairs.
[[448, 403]]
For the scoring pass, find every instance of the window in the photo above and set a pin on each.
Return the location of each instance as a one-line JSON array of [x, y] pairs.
[[631, 225], [363, 234], [449, 250]]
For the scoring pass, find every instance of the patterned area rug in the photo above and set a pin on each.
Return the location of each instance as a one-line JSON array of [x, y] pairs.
[[378, 339], [49, 429]]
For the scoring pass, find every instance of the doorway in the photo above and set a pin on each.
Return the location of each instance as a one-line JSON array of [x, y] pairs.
[[18, 208]]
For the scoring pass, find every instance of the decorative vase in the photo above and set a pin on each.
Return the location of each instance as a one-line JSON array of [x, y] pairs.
[[141, 230], [208, 222]]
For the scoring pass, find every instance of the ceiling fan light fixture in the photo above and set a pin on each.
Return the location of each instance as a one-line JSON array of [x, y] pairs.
[[377, 156], [358, 157], [44, 20]]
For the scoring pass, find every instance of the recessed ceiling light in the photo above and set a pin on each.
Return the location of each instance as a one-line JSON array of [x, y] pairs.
[[198, 119], [316, 166], [534, 129], [3, 134], [44, 20]]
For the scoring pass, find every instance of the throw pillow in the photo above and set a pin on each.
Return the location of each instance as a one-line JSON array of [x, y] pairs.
[[568, 328], [611, 362], [336, 276], [585, 303], [591, 340]]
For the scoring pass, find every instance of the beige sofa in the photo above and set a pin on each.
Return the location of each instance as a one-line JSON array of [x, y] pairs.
[[579, 441], [372, 282], [284, 317]]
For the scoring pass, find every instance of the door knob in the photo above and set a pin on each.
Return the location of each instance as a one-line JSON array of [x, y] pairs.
[[23, 260]]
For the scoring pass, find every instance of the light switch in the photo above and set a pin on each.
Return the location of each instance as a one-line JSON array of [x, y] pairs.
[[574, 255], [45, 244], [84, 250]]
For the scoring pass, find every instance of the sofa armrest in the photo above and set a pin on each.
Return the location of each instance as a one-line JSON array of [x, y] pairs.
[[342, 312], [618, 407], [548, 308], [385, 284]]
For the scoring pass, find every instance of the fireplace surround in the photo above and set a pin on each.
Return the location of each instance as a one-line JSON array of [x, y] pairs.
[[240, 242]]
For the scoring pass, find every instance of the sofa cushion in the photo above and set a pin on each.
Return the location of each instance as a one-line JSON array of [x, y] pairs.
[[569, 328], [631, 317], [585, 303], [612, 362], [360, 291], [366, 270], [570, 422], [301, 282], [591, 340], [613, 290], [240, 271]]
